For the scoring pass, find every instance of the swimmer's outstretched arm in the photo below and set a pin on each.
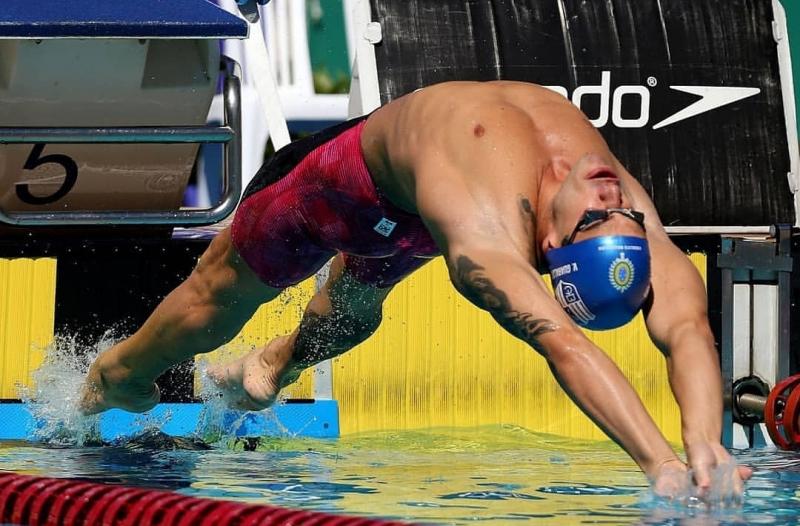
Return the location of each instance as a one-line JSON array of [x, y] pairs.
[[677, 321], [487, 269], [507, 287]]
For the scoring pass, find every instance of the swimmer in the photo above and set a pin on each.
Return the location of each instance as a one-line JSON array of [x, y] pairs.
[[507, 181]]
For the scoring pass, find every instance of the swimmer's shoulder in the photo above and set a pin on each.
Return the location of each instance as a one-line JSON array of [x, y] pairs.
[[511, 90], [433, 115]]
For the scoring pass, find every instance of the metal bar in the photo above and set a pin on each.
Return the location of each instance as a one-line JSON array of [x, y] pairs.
[[783, 235], [752, 404], [726, 347], [135, 134], [232, 180], [722, 230], [784, 309]]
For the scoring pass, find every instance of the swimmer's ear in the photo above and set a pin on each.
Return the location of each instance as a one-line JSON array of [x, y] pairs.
[[558, 169], [551, 240]]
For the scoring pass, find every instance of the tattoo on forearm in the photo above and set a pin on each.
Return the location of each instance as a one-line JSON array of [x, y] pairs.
[[479, 289]]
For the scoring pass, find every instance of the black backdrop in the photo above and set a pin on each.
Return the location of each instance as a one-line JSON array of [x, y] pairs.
[[727, 166]]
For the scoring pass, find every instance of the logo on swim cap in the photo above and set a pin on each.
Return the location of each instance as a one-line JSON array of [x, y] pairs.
[[570, 299], [603, 281], [621, 273]]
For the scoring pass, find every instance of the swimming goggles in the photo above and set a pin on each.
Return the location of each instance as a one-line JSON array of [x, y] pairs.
[[594, 216]]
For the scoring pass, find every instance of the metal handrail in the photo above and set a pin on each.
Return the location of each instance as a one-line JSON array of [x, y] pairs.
[[229, 135], [133, 134]]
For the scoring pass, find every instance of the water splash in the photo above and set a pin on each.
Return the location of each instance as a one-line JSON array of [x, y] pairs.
[[721, 495], [218, 423], [52, 398]]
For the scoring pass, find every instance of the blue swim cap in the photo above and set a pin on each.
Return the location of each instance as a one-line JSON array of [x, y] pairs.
[[601, 282]]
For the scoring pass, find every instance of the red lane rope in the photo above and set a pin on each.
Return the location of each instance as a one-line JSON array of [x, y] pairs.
[[38, 501]]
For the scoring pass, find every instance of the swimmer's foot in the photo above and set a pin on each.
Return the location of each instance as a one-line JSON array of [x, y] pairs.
[[252, 382], [110, 384]]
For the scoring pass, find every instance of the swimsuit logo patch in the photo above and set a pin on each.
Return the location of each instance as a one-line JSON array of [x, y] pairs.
[[621, 273], [385, 227], [569, 298]]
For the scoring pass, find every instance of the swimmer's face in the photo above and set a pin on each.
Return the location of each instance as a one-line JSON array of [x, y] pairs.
[[592, 182]]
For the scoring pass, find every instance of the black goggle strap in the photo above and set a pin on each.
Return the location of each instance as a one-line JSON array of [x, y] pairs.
[[593, 216]]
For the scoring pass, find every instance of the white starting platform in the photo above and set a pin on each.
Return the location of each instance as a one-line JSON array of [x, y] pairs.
[[103, 106]]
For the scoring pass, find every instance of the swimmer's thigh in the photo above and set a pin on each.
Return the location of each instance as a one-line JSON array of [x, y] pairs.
[[224, 278], [271, 235]]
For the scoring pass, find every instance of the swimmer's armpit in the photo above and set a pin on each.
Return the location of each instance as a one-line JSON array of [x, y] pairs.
[[476, 286]]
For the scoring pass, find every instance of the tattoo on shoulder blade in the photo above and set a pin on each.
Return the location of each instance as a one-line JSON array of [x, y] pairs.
[[479, 289]]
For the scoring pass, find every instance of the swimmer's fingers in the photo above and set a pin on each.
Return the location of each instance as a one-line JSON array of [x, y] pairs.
[[745, 472], [702, 460], [729, 484], [702, 478], [715, 472], [671, 481], [705, 458]]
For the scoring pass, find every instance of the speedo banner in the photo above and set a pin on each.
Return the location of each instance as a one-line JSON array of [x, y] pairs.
[[687, 93]]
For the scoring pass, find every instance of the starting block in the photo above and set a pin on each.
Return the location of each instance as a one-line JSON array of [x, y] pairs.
[[104, 105]]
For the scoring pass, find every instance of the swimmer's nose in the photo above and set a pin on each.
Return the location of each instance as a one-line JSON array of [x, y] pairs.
[[609, 193]]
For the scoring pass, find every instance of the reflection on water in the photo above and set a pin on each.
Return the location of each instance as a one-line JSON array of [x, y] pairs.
[[496, 475]]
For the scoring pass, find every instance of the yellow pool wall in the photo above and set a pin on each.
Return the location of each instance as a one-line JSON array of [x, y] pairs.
[[436, 361]]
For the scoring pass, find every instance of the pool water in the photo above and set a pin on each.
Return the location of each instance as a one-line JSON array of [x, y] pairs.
[[492, 475]]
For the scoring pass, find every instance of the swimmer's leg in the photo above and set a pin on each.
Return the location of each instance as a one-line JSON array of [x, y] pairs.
[[344, 313], [202, 313]]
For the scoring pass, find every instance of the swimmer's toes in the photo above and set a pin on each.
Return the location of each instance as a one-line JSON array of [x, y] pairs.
[[91, 404], [215, 373], [91, 399]]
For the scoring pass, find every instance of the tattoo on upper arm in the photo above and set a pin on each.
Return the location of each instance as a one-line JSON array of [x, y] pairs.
[[479, 289]]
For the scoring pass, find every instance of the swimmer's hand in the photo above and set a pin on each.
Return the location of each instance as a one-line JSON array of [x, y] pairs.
[[671, 480], [712, 477], [109, 384], [707, 460]]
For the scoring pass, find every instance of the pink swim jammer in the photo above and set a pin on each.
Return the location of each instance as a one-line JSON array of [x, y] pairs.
[[314, 198]]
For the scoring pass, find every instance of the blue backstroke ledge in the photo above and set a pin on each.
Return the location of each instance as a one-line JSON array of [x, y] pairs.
[[41, 19], [292, 418]]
